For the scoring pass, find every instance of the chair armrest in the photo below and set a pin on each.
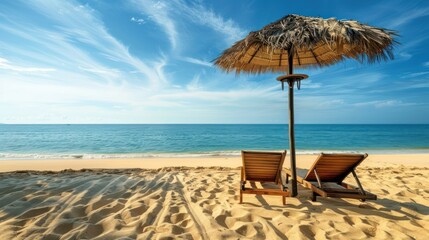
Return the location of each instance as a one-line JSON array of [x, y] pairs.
[[288, 174], [287, 171], [284, 179]]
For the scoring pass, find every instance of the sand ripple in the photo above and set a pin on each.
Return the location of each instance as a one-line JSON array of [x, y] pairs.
[[202, 203]]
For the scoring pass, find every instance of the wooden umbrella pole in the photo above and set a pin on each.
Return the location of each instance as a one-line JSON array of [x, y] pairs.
[[291, 79], [292, 140], [292, 125]]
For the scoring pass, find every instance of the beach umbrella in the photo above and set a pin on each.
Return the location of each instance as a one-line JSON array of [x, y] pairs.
[[298, 41]]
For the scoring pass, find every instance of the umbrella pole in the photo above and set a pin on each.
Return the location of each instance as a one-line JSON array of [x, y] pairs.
[[292, 140], [292, 125]]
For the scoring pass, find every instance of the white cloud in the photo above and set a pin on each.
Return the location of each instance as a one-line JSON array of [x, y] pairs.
[[199, 96], [318, 102], [405, 55], [74, 70], [158, 12], [139, 21], [408, 16], [197, 61], [5, 64], [415, 74], [99, 70], [77, 22], [87, 88], [309, 84], [194, 85], [167, 13], [415, 84], [207, 17], [86, 102], [383, 103]]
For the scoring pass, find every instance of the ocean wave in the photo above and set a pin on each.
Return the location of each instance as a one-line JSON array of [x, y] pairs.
[[17, 156], [114, 155]]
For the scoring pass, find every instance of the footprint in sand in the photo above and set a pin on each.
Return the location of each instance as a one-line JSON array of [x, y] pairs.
[[208, 205], [35, 212], [92, 231], [187, 224], [250, 230], [178, 217], [169, 228], [100, 203], [229, 219], [76, 212], [126, 195], [95, 217], [51, 236], [63, 227], [134, 212], [130, 215]]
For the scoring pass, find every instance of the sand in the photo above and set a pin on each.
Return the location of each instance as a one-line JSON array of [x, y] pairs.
[[164, 201]]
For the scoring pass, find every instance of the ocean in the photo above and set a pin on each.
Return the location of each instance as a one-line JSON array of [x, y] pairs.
[[170, 140]]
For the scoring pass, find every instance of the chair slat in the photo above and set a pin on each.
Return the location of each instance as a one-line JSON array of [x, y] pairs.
[[262, 167]]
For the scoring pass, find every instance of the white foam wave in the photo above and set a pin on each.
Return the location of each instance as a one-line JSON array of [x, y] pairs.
[[118, 155], [236, 153]]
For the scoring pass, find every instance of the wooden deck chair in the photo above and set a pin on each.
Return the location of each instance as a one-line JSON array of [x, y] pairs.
[[325, 177], [263, 167]]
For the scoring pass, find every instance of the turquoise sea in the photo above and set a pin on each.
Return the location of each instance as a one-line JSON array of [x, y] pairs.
[[147, 140]]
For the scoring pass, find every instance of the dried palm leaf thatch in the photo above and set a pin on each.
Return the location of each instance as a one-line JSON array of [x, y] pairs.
[[313, 41]]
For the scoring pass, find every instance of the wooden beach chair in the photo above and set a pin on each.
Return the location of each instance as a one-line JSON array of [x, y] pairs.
[[325, 177], [263, 167]]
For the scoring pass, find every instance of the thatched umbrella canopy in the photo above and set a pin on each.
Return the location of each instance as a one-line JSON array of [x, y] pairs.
[[313, 41], [304, 42]]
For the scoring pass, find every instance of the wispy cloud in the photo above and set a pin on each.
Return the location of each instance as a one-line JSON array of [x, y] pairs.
[[159, 12], [407, 16], [78, 22], [197, 61], [64, 62], [207, 17], [415, 74], [383, 103], [416, 84], [168, 14], [5, 64], [309, 84], [405, 55], [319, 102], [139, 21], [342, 83], [200, 96], [194, 84]]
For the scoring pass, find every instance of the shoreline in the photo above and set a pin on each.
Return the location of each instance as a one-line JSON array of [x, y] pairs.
[[202, 154], [303, 161]]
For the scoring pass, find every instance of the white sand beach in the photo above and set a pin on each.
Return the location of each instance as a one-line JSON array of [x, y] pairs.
[[197, 198]]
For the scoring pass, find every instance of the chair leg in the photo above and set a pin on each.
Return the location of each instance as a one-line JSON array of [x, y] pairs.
[[284, 200], [241, 197], [314, 197]]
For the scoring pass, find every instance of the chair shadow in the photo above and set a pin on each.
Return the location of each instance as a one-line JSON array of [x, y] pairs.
[[383, 207]]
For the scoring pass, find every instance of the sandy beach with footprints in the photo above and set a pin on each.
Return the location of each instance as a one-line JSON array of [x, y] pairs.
[[192, 202]]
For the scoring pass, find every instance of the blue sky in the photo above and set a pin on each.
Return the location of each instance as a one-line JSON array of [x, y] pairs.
[[144, 61]]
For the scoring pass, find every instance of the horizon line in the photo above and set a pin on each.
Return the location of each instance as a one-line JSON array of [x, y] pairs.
[[213, 123]]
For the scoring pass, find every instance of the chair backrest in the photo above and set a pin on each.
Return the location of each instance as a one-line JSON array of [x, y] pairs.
[[262, 166], [334, 167]]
